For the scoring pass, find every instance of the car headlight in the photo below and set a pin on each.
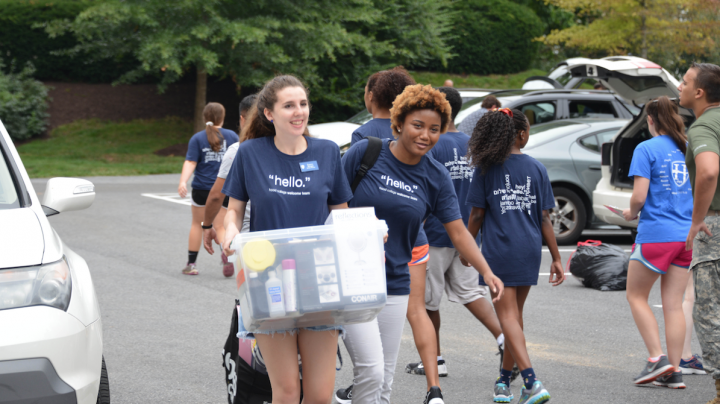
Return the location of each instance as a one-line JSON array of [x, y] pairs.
[[45, 285]]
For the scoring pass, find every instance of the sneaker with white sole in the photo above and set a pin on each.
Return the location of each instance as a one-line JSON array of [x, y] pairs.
[[536, 395], [501, 393], [344, 396], [417, 368], [653, 370], [692, 367], [671, 381], [434, 396], [190, 269]]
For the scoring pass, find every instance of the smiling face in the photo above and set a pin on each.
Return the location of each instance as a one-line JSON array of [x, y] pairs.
[[290, 113], [420, 131]]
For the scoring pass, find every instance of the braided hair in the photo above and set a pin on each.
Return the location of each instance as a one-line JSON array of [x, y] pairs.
[[493, 138]]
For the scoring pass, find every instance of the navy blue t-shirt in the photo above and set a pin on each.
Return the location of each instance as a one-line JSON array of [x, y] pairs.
[[514, 195], [451, 152], [199, 150], [403, 195], [380, 128], [283, 196]]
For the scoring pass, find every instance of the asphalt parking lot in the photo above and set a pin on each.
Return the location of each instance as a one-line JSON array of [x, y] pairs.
[[164, 332]]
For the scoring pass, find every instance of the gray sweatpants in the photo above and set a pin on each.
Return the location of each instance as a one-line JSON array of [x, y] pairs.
[[373, 348], [706, 313]]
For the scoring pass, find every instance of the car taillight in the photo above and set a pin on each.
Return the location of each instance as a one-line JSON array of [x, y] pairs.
[[45, 285]]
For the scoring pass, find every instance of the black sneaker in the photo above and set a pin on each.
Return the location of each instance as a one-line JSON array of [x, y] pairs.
[[653, 370], [671, 381], [515, 370], [434, 396], [418, 368], [344, 396]]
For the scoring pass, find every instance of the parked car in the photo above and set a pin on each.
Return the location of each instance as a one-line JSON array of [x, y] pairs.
[[341, 132], [51, 346], [570, 151], [637, 85]]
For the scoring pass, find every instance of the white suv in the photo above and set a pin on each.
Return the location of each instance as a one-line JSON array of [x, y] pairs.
[[637, 81], [51, 348]]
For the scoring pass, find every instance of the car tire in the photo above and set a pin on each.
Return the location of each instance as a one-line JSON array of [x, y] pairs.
[[104, 390], [568, 216], [633, 234]]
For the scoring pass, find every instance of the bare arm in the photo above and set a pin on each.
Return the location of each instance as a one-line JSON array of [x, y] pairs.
[[187, 170], [212, 207], [341, 206], [707, 169], [477, 217], [637, 200], [233, 222], [557, 275], [465, 244]]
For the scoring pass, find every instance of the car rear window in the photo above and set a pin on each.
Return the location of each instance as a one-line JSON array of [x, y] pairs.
[[553, 130], [8, 194]]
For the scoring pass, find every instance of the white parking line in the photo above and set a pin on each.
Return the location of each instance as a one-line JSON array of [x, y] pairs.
[[171, 197]]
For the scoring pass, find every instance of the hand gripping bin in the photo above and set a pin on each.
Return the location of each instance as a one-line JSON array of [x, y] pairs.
[[310, 276]]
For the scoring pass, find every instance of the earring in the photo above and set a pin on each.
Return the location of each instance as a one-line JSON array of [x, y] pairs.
[[271, 121]]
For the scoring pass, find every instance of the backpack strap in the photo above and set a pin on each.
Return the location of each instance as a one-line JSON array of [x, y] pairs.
[[369, 158]]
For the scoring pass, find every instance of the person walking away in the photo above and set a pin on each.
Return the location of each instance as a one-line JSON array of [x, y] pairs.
[[511, 195], [700, 91], [468, 124], [205, 152], [662, 192], [445, 272], [275, 143], [381, 91], [404, 186], [216, 199]]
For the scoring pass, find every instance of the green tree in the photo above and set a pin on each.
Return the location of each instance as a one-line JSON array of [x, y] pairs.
[[252, 41], [658, 29], [23, 102]]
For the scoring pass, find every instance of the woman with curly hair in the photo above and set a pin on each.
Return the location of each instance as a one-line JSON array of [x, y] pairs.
[[404, 186], [510, 197]]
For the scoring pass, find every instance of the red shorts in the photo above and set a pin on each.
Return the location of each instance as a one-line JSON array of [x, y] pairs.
[[659, 256], [420, 255]]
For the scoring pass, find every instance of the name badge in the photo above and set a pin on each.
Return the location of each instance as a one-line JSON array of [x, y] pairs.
[[309, 166]]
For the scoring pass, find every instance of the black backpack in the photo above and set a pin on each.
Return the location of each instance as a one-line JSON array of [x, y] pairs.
[[369, 158]]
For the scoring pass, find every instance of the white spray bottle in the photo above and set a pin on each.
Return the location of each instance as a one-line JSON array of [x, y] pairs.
[[274, 291]]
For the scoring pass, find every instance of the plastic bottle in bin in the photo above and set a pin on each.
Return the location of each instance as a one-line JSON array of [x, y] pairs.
[[289, 285], [274, 290]]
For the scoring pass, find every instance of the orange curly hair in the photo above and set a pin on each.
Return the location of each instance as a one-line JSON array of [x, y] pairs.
[[418, 97]]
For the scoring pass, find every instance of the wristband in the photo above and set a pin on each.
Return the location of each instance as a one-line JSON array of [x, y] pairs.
[[202, 224]]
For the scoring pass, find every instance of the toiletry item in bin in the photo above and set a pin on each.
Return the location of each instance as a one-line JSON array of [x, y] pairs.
[[274, 290], [258, 254], [289, 285], [258, 302], [307, 287]]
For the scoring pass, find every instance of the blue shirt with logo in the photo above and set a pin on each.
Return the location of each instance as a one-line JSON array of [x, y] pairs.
[[403, 195], [380, 128], [451, 152], [514, 195], [285, 192], [208, 161], [667, 214]]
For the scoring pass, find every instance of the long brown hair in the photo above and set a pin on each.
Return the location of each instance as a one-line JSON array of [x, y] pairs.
[[664, 114], [257, 123], [214, 114]]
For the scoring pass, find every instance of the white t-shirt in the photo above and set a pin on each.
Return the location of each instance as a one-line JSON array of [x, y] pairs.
[[227, 162]]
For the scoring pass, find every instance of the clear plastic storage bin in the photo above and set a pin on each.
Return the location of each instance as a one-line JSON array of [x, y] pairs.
[[310, 276]]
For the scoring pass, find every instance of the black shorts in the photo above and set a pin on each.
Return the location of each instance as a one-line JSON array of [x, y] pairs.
[[199, 198]]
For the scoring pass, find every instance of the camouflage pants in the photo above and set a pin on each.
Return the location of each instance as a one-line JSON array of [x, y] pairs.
[[706, 313]]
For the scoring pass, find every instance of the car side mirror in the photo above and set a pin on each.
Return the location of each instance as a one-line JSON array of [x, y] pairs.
[[606, 153], [67, 194]]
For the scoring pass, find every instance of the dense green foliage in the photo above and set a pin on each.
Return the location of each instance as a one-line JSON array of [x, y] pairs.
[[22, 40], [492, 37], [23, 102], [91, 147]]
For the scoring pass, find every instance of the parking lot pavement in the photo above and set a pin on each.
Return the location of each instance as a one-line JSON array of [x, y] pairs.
[[164, 332]]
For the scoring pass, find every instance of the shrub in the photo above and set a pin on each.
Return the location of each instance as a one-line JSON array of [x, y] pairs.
[[20, 41], [23, 102], [492, 37]]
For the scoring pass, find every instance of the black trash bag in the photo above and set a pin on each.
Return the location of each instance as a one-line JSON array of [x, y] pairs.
[[600, 266], [245, 385]]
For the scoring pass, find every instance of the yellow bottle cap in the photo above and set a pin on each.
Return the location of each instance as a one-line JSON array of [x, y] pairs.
[[258, 254]]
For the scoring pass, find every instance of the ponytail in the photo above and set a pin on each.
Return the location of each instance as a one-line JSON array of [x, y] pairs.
[[492, 139], [664, 114], [214, 115]]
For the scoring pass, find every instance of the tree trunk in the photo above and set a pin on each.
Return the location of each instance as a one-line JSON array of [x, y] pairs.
[[643, 28], [200, 98]]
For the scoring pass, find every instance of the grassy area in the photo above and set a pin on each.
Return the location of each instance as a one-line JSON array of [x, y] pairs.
[[92, 147], [494, 81]]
